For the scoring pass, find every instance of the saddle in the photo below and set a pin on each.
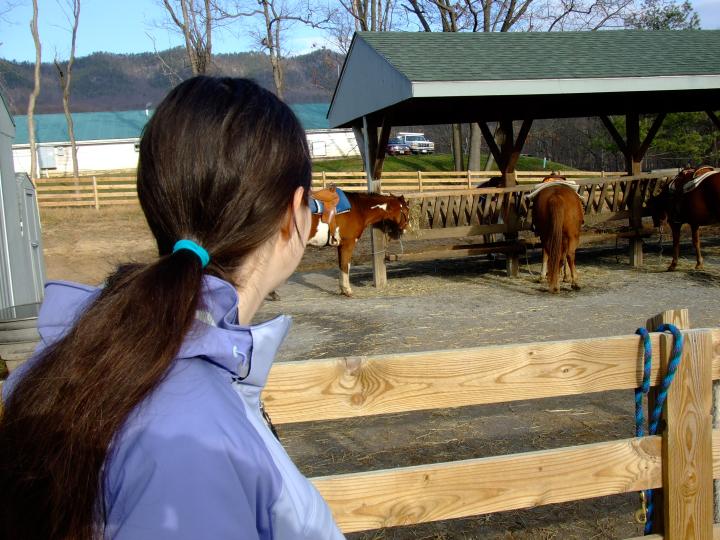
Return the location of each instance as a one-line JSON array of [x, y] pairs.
[[327, 200]]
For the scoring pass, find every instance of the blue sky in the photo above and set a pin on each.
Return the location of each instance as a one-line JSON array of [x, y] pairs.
[[122, 26]]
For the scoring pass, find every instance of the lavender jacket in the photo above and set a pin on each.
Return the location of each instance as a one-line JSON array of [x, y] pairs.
[[196, 460]]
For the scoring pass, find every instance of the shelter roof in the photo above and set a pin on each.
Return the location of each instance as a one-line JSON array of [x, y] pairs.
[[95, 126], [385, 71]]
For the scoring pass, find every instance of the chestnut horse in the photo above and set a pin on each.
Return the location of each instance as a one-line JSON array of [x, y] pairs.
[[699, 206], [393, 213], [557, 216]]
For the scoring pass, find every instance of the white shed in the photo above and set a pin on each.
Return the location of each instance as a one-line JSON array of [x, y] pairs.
[[22, 267]]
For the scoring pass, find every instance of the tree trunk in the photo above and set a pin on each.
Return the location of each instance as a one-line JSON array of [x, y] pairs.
[[34, 94], [475, 143], [457, 148]]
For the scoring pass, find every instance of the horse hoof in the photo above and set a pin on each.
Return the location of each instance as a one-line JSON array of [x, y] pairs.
[[699, 267], [671, 268], [575, 286], [554, 290], [273, 296], [346, 293]]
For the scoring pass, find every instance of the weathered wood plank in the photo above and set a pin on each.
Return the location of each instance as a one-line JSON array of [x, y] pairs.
[[687, 442], [361, 386], [410, 495]]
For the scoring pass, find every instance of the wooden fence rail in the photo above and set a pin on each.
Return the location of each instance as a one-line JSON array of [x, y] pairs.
[[99, 190], [683, 461]]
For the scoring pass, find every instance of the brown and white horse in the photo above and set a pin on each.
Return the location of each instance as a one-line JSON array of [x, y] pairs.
[[557, 216], [393, 213], [699, 206]]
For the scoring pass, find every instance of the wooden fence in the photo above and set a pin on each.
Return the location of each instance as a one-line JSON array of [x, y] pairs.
[[483, 212], [683, 460], [97, 191]]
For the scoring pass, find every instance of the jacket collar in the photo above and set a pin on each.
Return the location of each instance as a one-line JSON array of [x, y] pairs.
[[245, 351]]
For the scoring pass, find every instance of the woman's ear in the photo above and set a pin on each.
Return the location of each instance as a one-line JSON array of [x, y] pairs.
[[289, 223]]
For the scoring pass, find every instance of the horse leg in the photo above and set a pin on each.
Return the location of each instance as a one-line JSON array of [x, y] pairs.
[[543, 268], [574, 282], [696, 245], [676, 245], [345, 251], [566, 273]]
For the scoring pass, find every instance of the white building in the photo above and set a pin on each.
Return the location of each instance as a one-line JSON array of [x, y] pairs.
[[109, 140]]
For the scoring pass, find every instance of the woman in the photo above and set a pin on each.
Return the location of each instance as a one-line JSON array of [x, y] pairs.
[[139, 417]]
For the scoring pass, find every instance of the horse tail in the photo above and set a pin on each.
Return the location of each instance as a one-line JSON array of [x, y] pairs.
[[556, 211]]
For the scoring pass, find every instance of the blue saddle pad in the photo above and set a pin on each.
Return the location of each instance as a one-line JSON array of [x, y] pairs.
[[316, 207]]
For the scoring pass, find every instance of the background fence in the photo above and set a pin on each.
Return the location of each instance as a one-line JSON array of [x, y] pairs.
[[97, 191]]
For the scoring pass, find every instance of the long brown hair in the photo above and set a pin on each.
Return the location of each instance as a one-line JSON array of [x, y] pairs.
[[219, 163]]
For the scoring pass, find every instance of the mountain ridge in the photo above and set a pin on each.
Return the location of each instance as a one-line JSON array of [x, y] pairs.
[[120, 82]]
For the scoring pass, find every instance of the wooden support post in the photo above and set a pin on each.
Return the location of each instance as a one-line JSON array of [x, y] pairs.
[[420, 186], [324, 180], [633, 159], [373, 164], [687, 442]]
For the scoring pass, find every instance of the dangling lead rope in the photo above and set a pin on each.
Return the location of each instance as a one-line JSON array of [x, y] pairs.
[[645, 514]]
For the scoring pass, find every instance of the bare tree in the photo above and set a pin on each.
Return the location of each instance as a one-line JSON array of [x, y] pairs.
[[196, 20], [65, 78], [277, 15], [35, 92]]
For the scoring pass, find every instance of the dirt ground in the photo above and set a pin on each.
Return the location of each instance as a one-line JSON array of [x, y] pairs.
[[443, 305]]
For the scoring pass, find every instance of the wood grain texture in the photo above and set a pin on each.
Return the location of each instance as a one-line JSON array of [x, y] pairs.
[[360, 386], [410, 495], [687, 444], [715, 535]]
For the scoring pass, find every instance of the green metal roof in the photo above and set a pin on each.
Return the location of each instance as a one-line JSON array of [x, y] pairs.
[[411, 78], [93, 126], [481, 56]]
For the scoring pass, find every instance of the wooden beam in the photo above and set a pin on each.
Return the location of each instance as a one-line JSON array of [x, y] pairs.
[[358, 386], [714, 118], [492, 145], [687, 442], [654, 128], [409, 495], [382, 145], [519, 143], [619, 141]]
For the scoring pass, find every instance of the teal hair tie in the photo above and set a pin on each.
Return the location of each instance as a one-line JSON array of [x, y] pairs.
[[197, 249]]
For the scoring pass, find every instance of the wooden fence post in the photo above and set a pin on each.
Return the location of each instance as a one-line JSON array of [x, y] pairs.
[[324, 181], [469, 180], [681, 319], [687, 442], [420, 186], [95, 193]]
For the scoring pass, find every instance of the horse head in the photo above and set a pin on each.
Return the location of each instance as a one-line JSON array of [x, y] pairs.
[[397, 218], [659, 206]]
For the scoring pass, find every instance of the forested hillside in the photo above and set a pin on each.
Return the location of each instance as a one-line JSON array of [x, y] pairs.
[[116, 82]]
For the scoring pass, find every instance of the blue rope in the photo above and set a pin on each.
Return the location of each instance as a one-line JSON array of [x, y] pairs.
[[675, 356]]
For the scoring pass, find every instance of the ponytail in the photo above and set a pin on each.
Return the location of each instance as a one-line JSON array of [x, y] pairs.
[[61, 417]]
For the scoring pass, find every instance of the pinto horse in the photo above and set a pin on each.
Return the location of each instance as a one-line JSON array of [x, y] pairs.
[[557, 216], [393, 213], [698, 206]]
